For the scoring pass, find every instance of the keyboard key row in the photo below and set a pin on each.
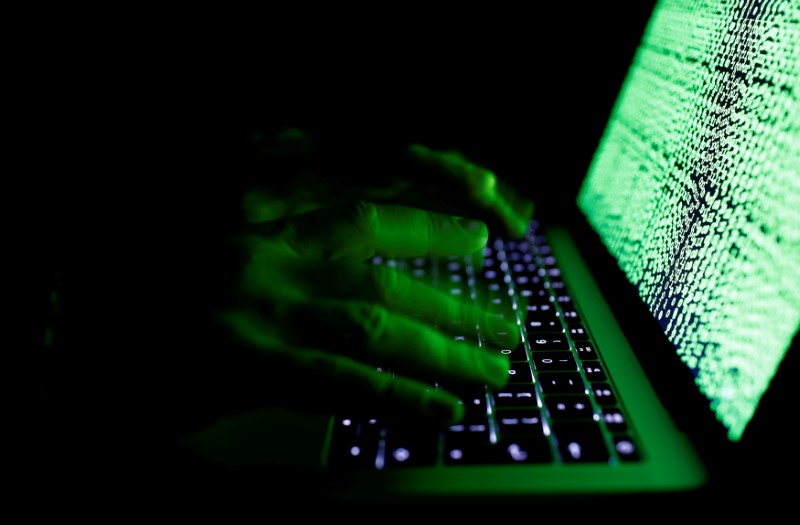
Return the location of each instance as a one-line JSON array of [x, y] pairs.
[[558, 406]]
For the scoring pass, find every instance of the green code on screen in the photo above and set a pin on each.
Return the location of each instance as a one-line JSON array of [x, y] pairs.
[[695, 189]]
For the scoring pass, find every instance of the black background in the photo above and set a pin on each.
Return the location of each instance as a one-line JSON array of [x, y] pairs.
[[524, 91]]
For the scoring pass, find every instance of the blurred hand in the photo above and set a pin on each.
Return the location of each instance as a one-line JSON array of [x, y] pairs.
[[411, 175], [349, 334]]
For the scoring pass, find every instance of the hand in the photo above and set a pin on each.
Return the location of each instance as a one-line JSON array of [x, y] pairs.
[[412, 175], [323, 324]]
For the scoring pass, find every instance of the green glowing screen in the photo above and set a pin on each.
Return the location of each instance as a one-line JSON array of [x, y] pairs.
[[695, 189]]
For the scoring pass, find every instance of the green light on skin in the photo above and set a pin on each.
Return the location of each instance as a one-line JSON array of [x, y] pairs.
[[480, 182], [308, 251], [713, 168], [482, 186]]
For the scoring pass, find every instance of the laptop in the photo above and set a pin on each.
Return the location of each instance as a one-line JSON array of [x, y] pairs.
[[658, 309]]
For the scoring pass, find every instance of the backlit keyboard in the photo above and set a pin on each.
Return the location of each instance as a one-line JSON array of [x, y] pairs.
[[559, 405]]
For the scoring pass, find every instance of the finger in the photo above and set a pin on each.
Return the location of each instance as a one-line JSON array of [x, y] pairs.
[[371, 334], [481, 186], [409, 232], [362, 388], [274, 277], [363, 229], [390, 288], [334, 382]]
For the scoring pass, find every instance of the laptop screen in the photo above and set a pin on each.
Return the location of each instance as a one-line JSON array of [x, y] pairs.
[[695, 190]]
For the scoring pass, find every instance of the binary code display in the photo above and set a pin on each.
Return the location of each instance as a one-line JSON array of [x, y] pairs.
[[695, 189]]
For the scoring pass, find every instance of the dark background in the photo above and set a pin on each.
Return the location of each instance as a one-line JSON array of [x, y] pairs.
[[524, 91]]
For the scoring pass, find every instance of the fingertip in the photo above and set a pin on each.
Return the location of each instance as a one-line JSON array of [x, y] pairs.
[[418, 150], [475, 228], [501, 330], [496, 369], [521, 227], [522, 213], [483, 185], [443, 406], [488, 182], [524, 218], [455, 235]]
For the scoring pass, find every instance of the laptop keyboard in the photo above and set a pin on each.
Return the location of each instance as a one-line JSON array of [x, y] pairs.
[[559, 406]]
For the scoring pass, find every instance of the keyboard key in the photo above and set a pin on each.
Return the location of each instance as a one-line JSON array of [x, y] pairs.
[[515, 396], [569, 407], [537, 315], [581, 442], [570, 316], [521, 279], [540, 308], [530, 268], [520, 373], [562, 383], [408, 445], [522, 449], [354, 443], [474, 405], [495, 335], [457, 453], [564, 300], [519, 449], [593, 371], [614, 419], [355, 453], [492, 275], [603, 394], [526, 422], [554, 361], [547, 260], [516, 353], [540, 326], [470, 338], [585, 350], [513, 256], [578, 333], [548, 342], [533, 294], [500, 304], [471, 430], [626, 448], [468, 442]]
